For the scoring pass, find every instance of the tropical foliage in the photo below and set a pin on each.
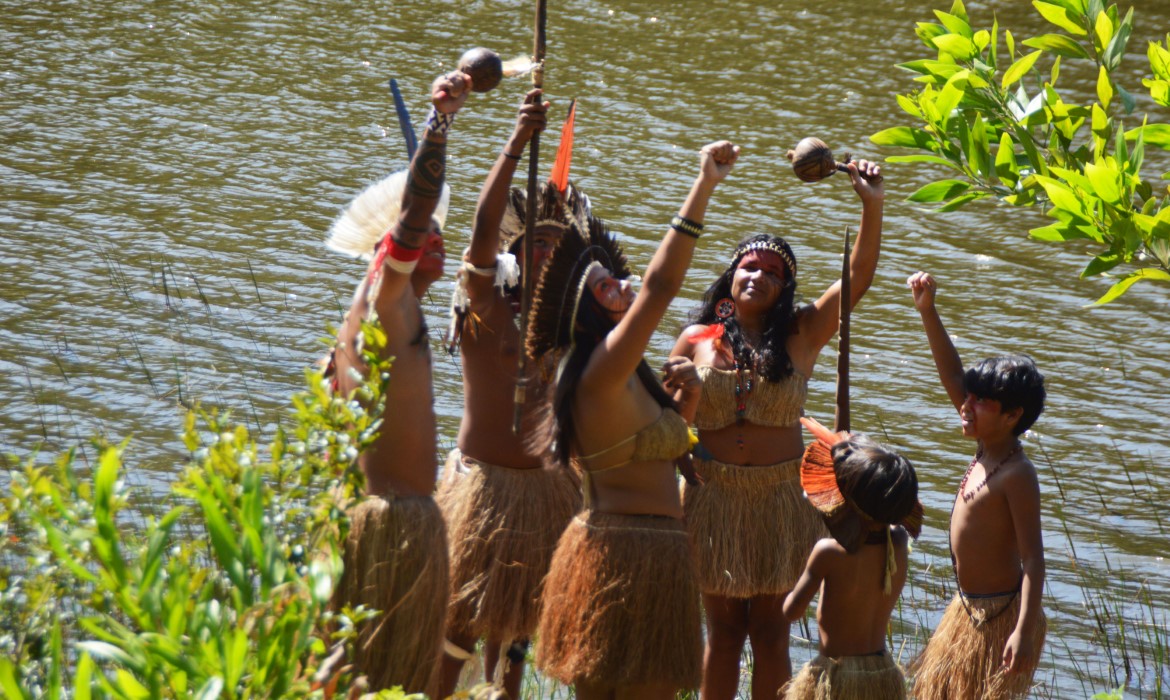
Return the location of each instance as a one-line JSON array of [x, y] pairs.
[[221, 592], [989, 109]]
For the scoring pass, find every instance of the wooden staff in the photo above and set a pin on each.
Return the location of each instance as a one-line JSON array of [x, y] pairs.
[[842, 415], [530, 220]]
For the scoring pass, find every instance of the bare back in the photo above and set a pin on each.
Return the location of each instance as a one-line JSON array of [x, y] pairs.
[[402, 460], [854, 613]]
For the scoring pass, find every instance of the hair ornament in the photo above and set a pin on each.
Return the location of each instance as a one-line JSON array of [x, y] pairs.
[[771, 246]]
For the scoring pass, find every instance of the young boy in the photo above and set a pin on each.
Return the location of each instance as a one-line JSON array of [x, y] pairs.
[[868, 496], [988, 642]]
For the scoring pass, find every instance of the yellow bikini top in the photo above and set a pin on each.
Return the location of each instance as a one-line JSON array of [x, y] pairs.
[[774, 404], [665, 438]]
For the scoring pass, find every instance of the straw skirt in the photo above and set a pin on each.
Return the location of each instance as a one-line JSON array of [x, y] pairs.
[[874, 677], [963, 659], [503, 525], [751, 528], [620, 604], [396, 562]]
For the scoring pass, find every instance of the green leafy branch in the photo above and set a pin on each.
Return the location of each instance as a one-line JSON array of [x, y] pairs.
[[1010, 135], [226, 594]]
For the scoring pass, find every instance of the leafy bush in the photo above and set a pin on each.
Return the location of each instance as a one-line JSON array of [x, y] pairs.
[[993, 115], [226, 594]]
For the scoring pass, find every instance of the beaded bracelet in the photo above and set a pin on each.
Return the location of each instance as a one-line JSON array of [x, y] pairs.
[[685, 226], [438, 123]]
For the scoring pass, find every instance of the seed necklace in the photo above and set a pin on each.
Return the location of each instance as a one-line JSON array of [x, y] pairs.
[[988, 473], [743, 390]]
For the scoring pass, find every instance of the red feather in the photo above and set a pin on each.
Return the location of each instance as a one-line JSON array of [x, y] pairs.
[[560, 171]]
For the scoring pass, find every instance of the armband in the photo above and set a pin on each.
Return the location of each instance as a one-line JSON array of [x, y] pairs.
[[438, 122], [683, 225], [402, 258]]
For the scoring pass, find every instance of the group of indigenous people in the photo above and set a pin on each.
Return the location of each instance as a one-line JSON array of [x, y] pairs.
[[572, 534]]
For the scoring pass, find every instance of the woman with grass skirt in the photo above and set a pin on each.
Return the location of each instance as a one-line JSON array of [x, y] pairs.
[[751, 529]]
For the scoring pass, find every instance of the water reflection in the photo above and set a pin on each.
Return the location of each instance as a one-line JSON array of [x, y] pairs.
[[169, 173]]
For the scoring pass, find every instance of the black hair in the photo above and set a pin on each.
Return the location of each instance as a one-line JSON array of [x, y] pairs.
[[557, 431], [878, 481], [1013, 381], [774, 363]]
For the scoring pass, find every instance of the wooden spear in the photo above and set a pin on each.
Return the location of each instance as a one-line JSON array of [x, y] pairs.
[[520, 396], [842, 415]]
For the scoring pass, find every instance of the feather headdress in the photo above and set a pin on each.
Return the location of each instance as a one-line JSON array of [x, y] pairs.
[[372, 213], [553, 208], [562, 283]]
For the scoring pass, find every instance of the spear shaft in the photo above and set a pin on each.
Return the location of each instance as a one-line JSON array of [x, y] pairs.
[[538, 46], [842, 416]]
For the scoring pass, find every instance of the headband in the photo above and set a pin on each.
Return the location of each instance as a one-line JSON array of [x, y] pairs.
[[772, 246]]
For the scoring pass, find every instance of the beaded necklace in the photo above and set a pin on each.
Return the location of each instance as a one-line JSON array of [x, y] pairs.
[[744, 382], [988, 473]]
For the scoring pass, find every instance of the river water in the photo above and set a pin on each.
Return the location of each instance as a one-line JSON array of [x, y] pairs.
[[169, 171]]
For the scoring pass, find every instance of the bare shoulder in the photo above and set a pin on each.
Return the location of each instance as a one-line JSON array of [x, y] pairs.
[[1020, 473], [828, 550], [689, 341]]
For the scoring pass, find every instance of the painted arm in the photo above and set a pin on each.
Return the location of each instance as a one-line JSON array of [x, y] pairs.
[[424, 182], [809, 583], [820, 324], [1023, 494], [619, 354], [493, 198], [946, 357]]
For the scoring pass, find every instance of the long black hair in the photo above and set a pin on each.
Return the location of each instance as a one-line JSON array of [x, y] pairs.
[[554, 332], [772, 360]]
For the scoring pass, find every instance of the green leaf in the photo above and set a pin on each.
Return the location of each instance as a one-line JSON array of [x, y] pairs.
[[8, 681], [1011, 43], [939, 191], [1102, 263], [1058, 44], [1005, 161], [109, 652], [1104, 87], [1127, 100], [954, 24], [1116, 49], [1102, 31], [211, 689], [1152, 134], [961, 200], [1147, 273], [1063, 198], [81, 680], [982, 38], [1057, 233], [1104, 181], [936, 160], [959, 11], [960, 47], [1060, 17], [928, 31], [903, 136], [130, 686], [1019, 69]]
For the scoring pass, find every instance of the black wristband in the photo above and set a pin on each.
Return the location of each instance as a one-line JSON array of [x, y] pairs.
[[683, 225]]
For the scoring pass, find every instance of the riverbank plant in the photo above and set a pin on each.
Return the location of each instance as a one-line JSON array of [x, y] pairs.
[[989, 110], [222, 590]]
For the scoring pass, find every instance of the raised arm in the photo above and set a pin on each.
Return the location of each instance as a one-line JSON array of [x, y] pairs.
[[820, 323], [946, 357], [493, 198], [618, 356], [424, 187]]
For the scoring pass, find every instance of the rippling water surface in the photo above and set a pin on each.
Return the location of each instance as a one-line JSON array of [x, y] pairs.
[[169, 171]]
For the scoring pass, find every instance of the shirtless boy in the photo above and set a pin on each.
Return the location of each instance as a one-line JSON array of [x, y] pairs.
[[989, 640], [869, 500]]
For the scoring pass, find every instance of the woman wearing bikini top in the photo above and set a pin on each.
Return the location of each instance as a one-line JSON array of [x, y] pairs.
[[751, 529], [620, 611]]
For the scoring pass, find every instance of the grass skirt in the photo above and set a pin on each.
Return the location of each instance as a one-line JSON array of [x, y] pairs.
[[963, 658], [848, 678], [751, 528], [503, 526], [396, 562], [621, 606]]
